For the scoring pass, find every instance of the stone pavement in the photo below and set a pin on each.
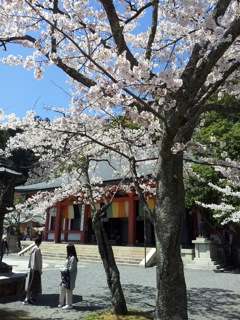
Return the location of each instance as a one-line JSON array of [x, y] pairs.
[[211, 295]]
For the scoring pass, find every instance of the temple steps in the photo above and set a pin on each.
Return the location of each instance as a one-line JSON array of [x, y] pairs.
[[124, 255]]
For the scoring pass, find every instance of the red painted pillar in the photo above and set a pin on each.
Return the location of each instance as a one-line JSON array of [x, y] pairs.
[[47, 224], [57, 236], [66, 230], [85, 224], [132, 221]]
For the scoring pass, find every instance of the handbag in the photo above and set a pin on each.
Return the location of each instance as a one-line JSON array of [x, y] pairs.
[[65, 276]]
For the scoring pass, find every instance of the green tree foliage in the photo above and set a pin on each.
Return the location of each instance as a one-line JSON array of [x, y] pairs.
[[220, 135], [226, 129]]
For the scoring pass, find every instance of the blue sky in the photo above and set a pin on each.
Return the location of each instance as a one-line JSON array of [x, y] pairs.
[[21, 92]]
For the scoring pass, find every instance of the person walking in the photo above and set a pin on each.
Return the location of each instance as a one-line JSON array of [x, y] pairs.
[[68, 275], [34, 283], [4, 248]]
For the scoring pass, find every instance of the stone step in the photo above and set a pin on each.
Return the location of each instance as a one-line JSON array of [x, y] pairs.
[[89, 253], [128, 262], [90, 257], [215, 265]]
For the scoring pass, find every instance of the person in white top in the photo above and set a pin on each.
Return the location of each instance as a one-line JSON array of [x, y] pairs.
[[35, 282], [68, 275]]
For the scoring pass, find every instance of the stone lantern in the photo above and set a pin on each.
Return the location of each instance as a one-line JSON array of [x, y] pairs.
[[7, 183], [11, 284]]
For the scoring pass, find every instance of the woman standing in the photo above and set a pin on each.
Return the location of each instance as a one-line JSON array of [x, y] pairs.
[[35, 265], [4, 248], [69, 274]]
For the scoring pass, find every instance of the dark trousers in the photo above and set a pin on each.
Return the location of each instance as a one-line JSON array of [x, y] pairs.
[[1, 255], [34, 284]]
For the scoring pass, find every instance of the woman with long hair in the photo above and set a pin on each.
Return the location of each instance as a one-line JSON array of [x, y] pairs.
[[68, 275]]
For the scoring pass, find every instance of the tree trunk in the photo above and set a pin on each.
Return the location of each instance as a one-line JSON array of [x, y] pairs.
[[105, 250], [1, 225], [2, 211], [171, 296], [112, 272]]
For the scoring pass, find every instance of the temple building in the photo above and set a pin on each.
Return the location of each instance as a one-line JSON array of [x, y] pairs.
[[124, 220]]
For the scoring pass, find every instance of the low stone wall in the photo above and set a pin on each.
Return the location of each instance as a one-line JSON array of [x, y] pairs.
[[187, 255], [12, 285]]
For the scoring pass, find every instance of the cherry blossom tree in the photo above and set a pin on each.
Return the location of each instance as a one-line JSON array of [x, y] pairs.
[[73, 150], [155, 62]]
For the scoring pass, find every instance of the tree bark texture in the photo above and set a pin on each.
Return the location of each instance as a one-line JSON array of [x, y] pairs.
[[171, 295], [112, 272], [1, 225]]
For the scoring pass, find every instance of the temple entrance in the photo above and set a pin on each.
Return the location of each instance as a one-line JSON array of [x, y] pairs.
[[147, 230], [116, 229]]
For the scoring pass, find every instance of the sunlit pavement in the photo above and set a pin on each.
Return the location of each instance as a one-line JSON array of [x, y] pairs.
[[211, 295], [20, 263]]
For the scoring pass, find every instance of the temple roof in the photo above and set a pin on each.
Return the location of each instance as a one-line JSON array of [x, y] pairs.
[[40, 186], [107, 170]]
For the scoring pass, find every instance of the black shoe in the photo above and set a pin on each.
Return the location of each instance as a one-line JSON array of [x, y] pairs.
[[25, 302], [33, 301]]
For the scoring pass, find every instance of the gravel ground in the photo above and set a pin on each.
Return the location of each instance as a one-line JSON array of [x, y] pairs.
[[211, 295]]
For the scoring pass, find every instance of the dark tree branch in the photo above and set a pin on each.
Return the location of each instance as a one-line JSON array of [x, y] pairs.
[[220, 108], [16, 39], [74, 74], [220, 9], [56, 9], [200, 74], [117, 31], [185, 132], [206, 92], [196, 78], [139, 11], [212, 164], [191, 66], [153, 29], [86, 81]]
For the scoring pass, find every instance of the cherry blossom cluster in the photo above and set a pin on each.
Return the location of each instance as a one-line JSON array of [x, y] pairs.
[[230, 171], [226, 212]]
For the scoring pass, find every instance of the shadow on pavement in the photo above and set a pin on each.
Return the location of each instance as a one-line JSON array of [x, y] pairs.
[[203, 303], [94, 303], [52, 300], [213, 303], [142, 296], [16, 315]]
